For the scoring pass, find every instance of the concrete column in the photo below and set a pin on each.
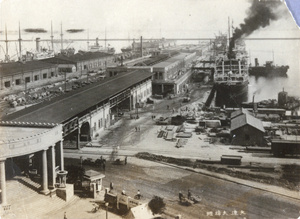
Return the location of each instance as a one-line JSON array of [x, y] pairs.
[[53, 174], [3, 183], [61, 153], [78, 137], [130, 103], [45, 189]]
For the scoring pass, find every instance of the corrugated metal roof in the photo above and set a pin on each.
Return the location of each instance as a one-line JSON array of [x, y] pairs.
[[239, 112], [12, 68], [59, 60], [73, 103], [246, 119], [88, 56], [171, 60]]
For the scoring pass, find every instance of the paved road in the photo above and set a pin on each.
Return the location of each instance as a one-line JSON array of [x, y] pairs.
[[216, 195]]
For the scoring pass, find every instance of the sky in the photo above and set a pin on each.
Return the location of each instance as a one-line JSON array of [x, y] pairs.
[[133, 18]]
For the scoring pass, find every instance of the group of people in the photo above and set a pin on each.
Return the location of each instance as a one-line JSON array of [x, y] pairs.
[[189, 195], [137, 196]]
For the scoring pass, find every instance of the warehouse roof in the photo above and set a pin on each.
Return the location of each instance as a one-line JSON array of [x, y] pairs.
[[246, 119], [88, 56], [171, 60], [61, 59], [11, 68], [67, 106], [239, 112]]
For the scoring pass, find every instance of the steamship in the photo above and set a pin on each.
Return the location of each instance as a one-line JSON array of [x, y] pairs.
[[97, 48], [231, 77], [268, 69]]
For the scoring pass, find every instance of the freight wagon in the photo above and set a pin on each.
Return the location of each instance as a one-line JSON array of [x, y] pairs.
[[282, 147]]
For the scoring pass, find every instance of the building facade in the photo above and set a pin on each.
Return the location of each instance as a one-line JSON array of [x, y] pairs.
[[20, 73], [246, 130], [172, 75]]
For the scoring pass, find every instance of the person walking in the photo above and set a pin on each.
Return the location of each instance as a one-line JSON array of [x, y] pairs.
[[111, 186], [189, 194], [125, 161]]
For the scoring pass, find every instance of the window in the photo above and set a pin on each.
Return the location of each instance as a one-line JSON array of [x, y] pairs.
[[99, 124], [45, 76], [52, 74], [36, 77], [27, 79], [18, 81], [7, 84], [95, 127]]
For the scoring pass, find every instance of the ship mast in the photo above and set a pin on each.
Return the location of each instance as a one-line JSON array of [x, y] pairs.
[[6, 46], [228, 31], [105, 39], [20, 44], [52, 37], [88, 41], [61, 37]]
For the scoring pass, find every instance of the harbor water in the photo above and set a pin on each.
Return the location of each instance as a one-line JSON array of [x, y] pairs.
[[285, 52]]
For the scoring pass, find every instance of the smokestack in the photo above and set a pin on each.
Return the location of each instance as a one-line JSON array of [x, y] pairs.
[[97, 43], [256, 62], [260, 14], [141, 46], [37, 42]]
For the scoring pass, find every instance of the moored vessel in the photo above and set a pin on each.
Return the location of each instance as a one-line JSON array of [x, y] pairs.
[[268, 69], [231, 78]]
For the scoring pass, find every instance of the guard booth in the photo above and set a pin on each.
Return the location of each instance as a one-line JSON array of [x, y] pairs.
[[94, 180]]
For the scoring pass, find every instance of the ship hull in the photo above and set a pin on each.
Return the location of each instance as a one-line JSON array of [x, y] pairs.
[[269, 72], [231, 95]]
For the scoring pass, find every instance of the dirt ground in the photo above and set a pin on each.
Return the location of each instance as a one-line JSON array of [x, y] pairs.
[[199, 150]]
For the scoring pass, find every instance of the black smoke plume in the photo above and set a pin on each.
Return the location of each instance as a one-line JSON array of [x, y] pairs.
[[260, 14], [35, 30], [75, 30]]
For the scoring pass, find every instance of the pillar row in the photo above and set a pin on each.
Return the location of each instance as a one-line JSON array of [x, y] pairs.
[[53, 173], [61, 154], [45, 189]]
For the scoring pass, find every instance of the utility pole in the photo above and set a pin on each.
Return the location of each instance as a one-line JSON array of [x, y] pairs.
[[136, 105], [65, 80]]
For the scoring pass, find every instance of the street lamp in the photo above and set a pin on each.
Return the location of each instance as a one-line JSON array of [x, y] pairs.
[[106, 204]]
